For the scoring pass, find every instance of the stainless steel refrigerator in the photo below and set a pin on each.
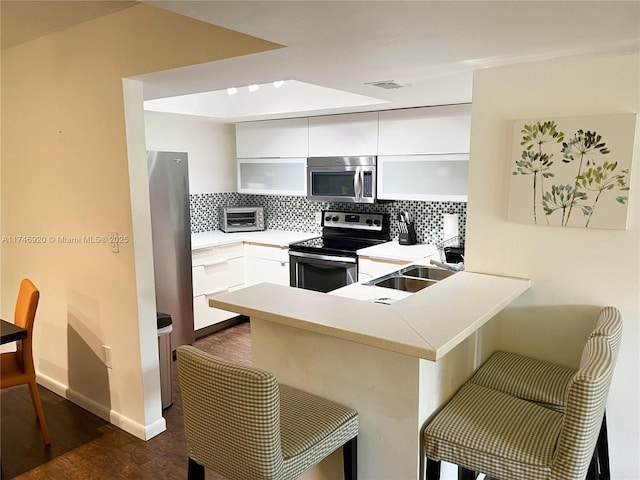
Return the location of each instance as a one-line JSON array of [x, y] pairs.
[[171, 228]]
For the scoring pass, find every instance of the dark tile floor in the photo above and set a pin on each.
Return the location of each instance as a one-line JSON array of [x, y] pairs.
[[86, 447]]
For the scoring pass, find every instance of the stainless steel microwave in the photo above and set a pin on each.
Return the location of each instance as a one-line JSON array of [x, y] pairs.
[[342, 179], [241, 219]]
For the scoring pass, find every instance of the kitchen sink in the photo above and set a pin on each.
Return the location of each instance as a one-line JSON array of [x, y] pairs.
[[412, 278], [426, 272], [407, 284]]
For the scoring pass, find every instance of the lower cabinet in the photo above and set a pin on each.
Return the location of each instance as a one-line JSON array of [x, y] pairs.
[[266, 263], [369, 268], [215, 270]]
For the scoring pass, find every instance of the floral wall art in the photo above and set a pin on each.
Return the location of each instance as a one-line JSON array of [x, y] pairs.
[[572, 171]]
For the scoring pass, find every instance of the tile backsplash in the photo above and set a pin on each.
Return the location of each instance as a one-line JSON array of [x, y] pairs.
[[297, 213]]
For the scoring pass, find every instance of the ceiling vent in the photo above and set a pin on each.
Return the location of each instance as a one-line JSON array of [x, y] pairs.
[[388, 84]]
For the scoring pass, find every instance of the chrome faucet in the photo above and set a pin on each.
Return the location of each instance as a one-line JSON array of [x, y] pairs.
[[458, 267]]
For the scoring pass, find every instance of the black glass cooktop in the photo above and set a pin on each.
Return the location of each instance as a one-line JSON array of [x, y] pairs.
[[334, 246]]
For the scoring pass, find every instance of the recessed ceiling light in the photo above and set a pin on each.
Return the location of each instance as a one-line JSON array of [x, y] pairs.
[[253, 88], [388, 84], [232, 91]]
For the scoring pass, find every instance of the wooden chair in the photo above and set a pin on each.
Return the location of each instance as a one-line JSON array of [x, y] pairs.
[[484, 430], [245, 426], [17, 367]]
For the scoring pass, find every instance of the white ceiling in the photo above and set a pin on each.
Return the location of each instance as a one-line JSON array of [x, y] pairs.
[[344, 45], [432, 45]]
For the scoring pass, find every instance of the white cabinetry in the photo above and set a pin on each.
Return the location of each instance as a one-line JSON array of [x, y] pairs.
[[423, 177], [369, 268], [343, 135], [424, 153], [272, 156], [427, 130], [215, 270], [266, 263], [273, 138], [272, 176]]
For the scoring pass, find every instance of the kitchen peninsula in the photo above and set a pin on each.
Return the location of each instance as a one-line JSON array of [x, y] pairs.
[[394, 362]]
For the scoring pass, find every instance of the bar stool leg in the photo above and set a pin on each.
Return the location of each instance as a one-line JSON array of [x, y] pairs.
[[602, 447], [433, 469], [195, 471], [466, 474], [350, 459]]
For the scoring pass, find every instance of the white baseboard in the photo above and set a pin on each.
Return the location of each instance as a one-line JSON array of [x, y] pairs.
[[144, 432]]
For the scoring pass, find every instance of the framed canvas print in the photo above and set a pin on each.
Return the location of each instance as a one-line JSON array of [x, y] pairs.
[[572, 171]]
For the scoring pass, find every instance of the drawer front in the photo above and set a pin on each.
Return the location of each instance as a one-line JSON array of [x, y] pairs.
[[205, 316], [212, 254], [280, 254], [217, 276], [264, 270]]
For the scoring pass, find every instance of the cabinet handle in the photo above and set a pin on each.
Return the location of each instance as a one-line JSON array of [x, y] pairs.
[[215, 262], [217, 290]]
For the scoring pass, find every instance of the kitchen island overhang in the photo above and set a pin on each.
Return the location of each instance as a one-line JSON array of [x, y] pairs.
[[395, 364], [427, 324]]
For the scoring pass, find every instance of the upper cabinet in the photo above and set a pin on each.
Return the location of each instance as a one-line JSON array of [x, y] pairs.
[[272, 176], [427, 130], [423, 177], [343, 135], [422, 152], [287, 138]]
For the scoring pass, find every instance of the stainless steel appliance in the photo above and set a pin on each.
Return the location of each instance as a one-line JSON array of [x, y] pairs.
[[241, 219], [342, 179], [330, 261], [171, 230]]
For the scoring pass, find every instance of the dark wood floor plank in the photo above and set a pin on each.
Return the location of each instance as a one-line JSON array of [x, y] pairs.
[[86, 447]]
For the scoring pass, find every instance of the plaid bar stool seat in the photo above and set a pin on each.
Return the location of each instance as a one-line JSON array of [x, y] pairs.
[[242, 424], [546, 383], [487, 431]]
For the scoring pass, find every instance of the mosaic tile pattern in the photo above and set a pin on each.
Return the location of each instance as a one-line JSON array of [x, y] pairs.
[[297, 213]]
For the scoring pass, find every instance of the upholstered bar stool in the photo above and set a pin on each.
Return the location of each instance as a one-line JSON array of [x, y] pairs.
[[546, 383], [487, 431], [242, 424]]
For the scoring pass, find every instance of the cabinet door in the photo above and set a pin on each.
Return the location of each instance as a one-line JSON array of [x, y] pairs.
[[423, 177], [428, 130], [343, 135], [273, 138], [273, 176]]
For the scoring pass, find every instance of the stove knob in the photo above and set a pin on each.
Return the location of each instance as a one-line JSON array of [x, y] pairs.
[[376, 223], [369, 221], [335, 218], [327, 218]]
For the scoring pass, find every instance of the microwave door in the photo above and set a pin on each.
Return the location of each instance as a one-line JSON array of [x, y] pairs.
[[334, 185]]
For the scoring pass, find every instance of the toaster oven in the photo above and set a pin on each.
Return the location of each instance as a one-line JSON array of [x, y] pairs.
[[241, 219]]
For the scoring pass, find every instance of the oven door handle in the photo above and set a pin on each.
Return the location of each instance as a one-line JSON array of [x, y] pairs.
[[329, 258]]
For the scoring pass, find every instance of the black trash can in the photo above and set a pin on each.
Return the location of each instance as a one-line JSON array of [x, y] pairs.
[[165, 327]]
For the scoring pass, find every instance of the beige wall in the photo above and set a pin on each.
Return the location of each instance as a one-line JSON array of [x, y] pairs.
[[574, 271], [66, 172], [211, 147]]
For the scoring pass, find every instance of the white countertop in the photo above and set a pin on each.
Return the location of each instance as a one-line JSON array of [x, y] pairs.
[[394, 251], [280, 238], [426, 324]]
